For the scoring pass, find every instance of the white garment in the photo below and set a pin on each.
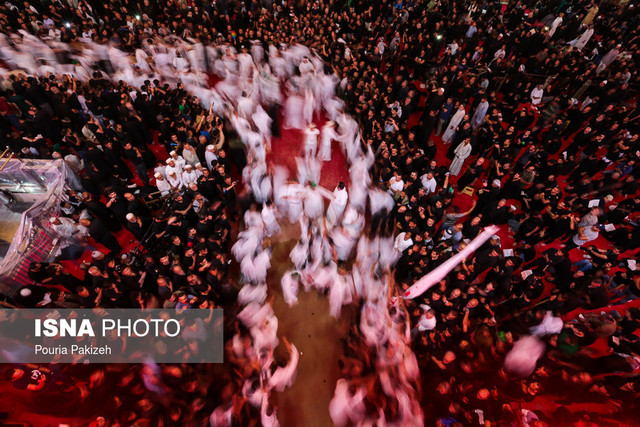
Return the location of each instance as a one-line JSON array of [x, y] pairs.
[[522, 358], [549, 325], [337, 206], [462, 151], [209, 157], [189, 176], [479, 115], [426, 324], [429, 184], [344, 406], [266, 419], [163, 186], [313, 203], [175, 182], [300, 252], [67, 229], [270, 221], [554, 26], [290, 287], [339, 295], [536, 95], [401, 243], [310, 141], [581, 41], [283, 377], [452, 128], [395, 185], [327, 135], [293, 113]]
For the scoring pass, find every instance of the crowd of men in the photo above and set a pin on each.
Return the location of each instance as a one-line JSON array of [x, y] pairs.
[[521, 115]]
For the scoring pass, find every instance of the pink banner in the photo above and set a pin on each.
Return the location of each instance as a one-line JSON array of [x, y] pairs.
[[443, 269]]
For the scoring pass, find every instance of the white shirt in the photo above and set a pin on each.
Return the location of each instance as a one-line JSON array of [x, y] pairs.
[[429, 184], [395, 185], [341, 197], [311, 137], [536, 96], [209, 157], [426, 324], [189, 177], [163, 186], [401, 243], [174, 182], [175, 169]]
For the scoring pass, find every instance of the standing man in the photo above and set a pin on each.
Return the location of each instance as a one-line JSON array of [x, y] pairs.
[[99, 232], [311, 140], [337, 205], [461, 153], [536, 95]]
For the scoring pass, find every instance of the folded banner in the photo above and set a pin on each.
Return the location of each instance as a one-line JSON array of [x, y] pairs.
[[443, 269]]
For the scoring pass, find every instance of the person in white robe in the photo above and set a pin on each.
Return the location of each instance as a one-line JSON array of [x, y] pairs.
[[584, 38], [178, 160], [284, 376], [313, 202], [480, 114], [343, 243], [536, 94], [293, 113], [306, 66], [608, 58], [163, 185], [311, 140], [245, 65], [403, 242], [345, 406], [262, 121], [300, 252], [309, 107], [337, 205], [555, 24], [294, 196], [189, 175], [141, 60], [340, 293], [461, 152], [452, 128], [327, 134], [246, 244], [174, 181], [290, 287], [268, 416], [250, 293], [245, 106]]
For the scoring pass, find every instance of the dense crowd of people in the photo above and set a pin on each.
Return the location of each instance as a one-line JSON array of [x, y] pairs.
[[452, 116]]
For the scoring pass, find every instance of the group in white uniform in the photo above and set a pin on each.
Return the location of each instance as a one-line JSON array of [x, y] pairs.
[[329, 235]]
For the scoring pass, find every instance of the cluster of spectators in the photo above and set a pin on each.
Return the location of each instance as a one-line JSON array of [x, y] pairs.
[[529, 108]]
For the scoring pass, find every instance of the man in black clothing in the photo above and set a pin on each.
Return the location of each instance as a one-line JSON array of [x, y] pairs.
[[99, 210], [99, 232], [135, 156]]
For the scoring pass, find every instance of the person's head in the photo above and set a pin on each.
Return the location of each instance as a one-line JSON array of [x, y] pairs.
[[449, 357]]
